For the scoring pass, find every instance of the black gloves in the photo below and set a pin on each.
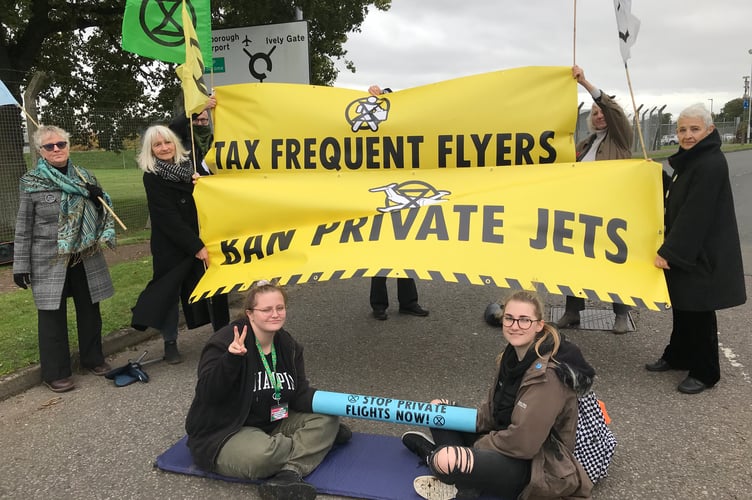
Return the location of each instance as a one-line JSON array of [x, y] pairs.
[[95, 192], [23, 280]]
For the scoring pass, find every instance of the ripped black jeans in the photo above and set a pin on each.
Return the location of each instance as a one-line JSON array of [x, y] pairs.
[[476, 471]]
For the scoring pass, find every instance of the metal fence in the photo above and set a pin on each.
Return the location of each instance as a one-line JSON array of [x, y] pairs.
[[106, 142], [654, 131], [103, 141]]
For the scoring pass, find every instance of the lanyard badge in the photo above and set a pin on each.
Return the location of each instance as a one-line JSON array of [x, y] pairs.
[[279, 411]]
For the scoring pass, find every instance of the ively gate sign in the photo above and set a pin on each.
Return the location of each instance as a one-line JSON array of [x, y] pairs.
[[259, 54]]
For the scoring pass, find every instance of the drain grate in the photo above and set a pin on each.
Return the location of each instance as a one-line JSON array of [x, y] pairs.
[[592, 319]]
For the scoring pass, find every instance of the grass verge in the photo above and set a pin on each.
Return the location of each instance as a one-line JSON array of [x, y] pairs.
[[18, 330]]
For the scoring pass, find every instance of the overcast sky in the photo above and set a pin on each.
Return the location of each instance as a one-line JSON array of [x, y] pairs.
[[686, 51]]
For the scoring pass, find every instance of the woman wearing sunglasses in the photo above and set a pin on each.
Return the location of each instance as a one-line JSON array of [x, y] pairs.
[[60, 230], [525, 438]]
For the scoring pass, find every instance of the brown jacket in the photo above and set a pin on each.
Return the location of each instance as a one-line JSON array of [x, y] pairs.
[[617, 145], [543, 427]]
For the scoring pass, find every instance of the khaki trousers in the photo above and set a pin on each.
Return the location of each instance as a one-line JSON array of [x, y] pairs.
[[300, 442]]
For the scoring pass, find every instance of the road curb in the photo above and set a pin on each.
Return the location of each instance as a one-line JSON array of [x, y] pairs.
[[115, 342], [26, 378]]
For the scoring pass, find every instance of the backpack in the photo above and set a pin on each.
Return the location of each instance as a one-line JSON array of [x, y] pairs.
[[594, 442]]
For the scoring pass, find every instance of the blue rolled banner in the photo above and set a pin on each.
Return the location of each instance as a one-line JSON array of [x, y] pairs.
[[398, 411]]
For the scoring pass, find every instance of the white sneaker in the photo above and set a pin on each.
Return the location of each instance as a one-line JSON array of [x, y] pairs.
[[430, 488]]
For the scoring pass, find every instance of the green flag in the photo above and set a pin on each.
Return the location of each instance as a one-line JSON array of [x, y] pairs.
[[154, 28]]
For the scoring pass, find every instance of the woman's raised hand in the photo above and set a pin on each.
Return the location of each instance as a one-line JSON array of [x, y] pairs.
[[237, 346]]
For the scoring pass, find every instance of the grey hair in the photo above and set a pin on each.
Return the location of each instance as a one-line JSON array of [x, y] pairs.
[[697, 110], [146, 159], [46, 130]]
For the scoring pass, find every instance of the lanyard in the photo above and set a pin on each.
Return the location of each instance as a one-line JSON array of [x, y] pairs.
[[270, 371]]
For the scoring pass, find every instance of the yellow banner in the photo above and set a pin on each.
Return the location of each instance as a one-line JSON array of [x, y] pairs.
[[518, 116], [585, 229]]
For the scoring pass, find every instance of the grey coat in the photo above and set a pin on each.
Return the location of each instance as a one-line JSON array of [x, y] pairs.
[[35, 252]]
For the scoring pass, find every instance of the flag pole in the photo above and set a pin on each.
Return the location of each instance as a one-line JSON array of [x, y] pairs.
[[28, 116], [104, 203], [628, 27], [574, 35], [193, 144], [191, 78], [636, 116]]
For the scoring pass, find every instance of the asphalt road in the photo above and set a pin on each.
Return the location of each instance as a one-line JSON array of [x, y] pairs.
[[740, 171], [100, 441]]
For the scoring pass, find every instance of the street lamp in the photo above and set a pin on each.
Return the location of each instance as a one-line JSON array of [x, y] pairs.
[[711, 107]]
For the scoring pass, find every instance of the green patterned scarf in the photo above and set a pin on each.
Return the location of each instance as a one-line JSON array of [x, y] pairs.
[[81, 227]]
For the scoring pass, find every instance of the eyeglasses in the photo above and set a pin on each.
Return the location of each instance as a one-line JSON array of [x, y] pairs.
[[268, 311], [202, 121], [51, 146], [524, 322]]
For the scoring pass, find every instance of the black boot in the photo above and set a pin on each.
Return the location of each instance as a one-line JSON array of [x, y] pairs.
[[171, 353], [286, 485]]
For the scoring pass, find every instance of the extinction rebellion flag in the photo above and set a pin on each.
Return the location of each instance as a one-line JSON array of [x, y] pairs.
[[191, 73], [154, 28]]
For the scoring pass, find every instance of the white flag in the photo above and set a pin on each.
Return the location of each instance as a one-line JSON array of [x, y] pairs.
[[628, 26]]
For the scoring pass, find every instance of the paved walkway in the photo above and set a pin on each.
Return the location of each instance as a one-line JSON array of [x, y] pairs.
[[100, 441]]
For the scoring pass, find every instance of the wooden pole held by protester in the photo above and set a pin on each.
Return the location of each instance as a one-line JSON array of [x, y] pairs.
[[637, 118], [104, 204], [574, 35]]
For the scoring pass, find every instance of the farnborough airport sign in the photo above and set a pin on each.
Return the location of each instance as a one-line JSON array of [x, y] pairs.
[[258, 54]]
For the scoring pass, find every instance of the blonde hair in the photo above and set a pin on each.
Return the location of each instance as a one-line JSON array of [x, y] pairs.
[[590, 125], [258, 288], [146, 159], [548, 331]]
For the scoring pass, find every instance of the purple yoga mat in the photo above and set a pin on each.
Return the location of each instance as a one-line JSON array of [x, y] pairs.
[[370, 466]]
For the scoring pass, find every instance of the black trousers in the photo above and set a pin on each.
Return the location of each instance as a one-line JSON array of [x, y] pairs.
[[694, 345], [407, 292], [217, 307], [577, 304], [220, 311], [493, 473], [54, 350]]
